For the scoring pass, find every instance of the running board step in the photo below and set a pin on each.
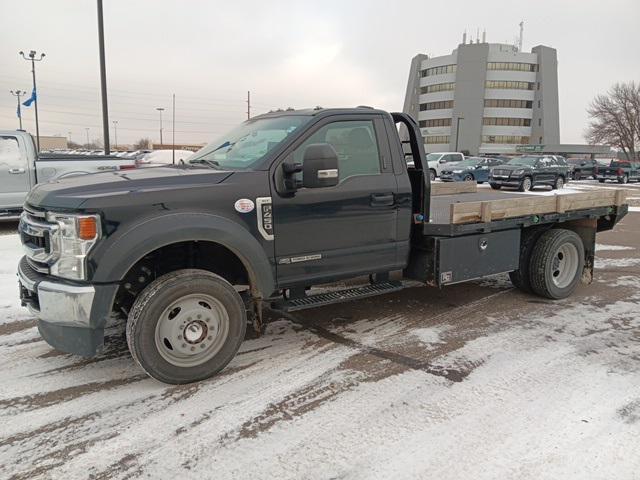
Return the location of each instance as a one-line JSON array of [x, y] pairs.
[[339, 296]]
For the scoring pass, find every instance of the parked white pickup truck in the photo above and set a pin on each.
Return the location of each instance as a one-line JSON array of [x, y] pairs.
[[437, 161], [21, 169]]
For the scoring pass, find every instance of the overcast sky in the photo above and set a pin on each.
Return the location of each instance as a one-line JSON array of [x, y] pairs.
[[288, 53]]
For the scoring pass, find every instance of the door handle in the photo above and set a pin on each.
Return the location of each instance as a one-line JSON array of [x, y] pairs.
[[382, 199], [16, 170]]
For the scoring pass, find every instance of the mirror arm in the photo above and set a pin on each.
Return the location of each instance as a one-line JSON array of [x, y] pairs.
[[291, 168]]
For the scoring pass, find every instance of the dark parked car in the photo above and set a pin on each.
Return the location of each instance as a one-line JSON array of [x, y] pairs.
[[472, 169], [583, 168], [529, 171], [623, 171]]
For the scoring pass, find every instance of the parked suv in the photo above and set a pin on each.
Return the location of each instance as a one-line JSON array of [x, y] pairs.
[[440, 160], [471, 169], [583, 168], [528, 171]]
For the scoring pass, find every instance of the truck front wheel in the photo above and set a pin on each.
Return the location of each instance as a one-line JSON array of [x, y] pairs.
[[556, 264], [186, 326], [432, 174]]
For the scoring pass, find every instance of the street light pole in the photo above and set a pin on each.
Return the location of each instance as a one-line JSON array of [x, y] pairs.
[[103, 81], [458, 131], [18, 93], [32, 57], [160, 109], [115, 133], [87, 130]]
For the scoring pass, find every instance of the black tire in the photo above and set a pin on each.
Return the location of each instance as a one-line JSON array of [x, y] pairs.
[[495, 187], [160, 294], [520, 278], [468, 178], [601, 180], [526, 186], [559, 183], [432, 174], [480, 183], [542, 269], [624, 179]]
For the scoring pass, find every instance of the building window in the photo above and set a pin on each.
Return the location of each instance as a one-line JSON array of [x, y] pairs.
[[539, 103], [539, 122], [438, 70], [438, 87], [507, 122], [505, 139], [509, 84], [507, 103], [436, 105], [435, 122], [431, 139], [512, 66]]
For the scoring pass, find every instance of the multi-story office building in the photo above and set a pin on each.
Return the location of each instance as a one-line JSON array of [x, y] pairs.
[[485, 98]]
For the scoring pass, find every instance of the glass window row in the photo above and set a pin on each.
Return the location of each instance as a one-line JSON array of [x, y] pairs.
[[436, 105], [438, 70], [507, 121]]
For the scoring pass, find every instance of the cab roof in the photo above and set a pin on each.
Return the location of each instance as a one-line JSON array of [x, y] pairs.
[[319, 111]]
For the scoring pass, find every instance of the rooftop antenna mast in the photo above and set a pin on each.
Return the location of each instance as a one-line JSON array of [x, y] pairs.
[[520, 37]]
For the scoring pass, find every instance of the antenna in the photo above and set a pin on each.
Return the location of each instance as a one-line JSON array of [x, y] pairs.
[[464, 37], [484, 36], [478, 35], [520, 38]]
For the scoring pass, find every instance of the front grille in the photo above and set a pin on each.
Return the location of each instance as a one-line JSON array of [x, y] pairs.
[[501, 173], [36, 237]]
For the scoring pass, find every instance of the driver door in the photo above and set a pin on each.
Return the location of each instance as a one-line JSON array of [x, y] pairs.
[[14, 172], [321, 234]]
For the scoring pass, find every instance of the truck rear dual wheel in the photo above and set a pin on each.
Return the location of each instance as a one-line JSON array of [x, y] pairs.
[[556, 263], [186, 326]]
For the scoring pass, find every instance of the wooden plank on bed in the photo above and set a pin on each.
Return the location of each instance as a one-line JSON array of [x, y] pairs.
[[453, 188], [486, 211]]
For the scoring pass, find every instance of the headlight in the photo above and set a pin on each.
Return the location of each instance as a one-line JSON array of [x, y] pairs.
[[518, 172], [457, 171], [76, 235]]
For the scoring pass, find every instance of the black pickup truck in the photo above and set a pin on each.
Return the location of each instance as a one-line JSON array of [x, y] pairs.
[[623, 171], [189, 256]]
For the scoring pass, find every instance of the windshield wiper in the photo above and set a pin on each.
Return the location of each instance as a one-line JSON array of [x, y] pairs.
[[211, 163]]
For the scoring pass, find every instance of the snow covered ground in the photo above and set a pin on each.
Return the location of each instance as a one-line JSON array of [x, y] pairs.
[[473, 381]]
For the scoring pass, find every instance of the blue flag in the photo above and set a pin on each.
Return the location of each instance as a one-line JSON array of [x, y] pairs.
[[31, 99]]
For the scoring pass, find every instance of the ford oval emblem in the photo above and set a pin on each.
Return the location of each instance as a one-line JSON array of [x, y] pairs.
[[244, 205]]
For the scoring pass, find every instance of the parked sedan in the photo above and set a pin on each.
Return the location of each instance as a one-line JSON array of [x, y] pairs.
[[529, 171], [472, 169]]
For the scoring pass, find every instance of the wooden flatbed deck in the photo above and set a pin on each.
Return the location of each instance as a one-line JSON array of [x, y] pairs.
[[460, 204]]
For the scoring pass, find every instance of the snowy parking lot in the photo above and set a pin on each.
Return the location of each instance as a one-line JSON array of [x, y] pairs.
[[474, 381]]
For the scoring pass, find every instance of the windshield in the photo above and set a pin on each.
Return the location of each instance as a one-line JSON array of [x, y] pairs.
[[432, 157], [248, 143], [525, 161]]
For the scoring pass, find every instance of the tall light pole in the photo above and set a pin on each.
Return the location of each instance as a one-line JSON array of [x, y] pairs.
[[160, 109], [69, 134], [103, 81], [115, 133], [458, 131], [18, 93], [87, 130], [32, 58]]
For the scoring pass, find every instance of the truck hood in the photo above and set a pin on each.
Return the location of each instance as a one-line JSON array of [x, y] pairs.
[[511, 167], [72, 192]]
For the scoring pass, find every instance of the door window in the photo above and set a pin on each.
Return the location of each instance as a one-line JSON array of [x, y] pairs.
[[10, 152], [356, 145]]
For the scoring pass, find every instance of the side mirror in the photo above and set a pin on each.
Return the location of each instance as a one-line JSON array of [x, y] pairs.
[[442, 160], [320, 166]]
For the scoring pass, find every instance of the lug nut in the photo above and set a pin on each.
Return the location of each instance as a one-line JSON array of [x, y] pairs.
[[199, 316], [179, 337], [193, 348], [209, 337], [184, 345], [202, 345]]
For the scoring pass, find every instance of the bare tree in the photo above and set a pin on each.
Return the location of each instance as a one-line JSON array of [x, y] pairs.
[[142, 144], [615, 118]]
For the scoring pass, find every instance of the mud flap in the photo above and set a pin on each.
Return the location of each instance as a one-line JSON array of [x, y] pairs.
[[586, 230]]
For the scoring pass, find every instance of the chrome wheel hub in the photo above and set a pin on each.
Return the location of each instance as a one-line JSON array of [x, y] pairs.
[[565, 265]]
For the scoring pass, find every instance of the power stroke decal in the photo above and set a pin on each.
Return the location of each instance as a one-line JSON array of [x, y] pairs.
[[265, 217]]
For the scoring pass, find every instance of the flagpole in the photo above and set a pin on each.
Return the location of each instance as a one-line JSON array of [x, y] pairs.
[[103, 81], [34, 94]]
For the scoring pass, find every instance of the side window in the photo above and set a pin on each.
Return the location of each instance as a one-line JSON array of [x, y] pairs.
[[10, 152], [356, 145]]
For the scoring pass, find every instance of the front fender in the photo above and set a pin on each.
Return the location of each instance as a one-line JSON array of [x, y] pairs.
[[123, 250]]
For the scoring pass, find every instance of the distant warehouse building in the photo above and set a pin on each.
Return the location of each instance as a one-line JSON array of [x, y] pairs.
[[485, 98]]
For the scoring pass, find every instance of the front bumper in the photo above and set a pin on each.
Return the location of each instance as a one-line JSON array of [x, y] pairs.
[[71, 317], [505, 181]]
